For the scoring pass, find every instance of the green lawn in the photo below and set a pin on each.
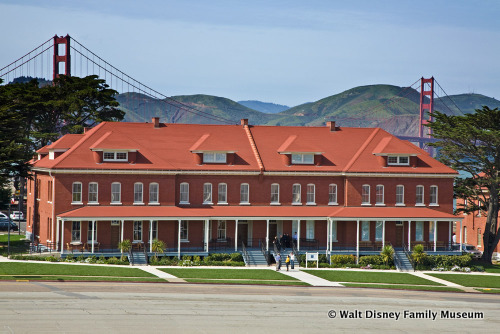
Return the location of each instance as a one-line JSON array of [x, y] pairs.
[[263, 282], [370, 277], [477, 281], [402, 287], [247, 274], [489, 290], [492, 268], [56, 269], [13, 237]]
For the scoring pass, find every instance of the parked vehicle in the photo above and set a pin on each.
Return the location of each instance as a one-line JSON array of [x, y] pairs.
[[470, 249], [3, 215], [17, 215], [4, 224]]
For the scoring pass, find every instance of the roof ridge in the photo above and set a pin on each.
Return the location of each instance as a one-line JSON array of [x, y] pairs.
[[254, 147], [361, 149]]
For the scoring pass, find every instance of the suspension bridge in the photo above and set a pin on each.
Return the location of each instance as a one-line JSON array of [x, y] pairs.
[[64, 55]]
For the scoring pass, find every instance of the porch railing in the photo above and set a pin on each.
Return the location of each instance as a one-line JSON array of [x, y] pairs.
[[245, 253], [408, 255], [264, 251]]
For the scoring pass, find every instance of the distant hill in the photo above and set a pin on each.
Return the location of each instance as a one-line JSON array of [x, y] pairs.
[[265, 107], [393, 108]]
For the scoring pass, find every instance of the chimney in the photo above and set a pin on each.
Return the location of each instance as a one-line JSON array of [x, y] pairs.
[[156, 122], [331, 126], [244, 121]]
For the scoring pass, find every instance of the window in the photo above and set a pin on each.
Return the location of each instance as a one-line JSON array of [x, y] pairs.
[[420, 195], [207, 193], [303, 158], [365, 231], [115, 156], [222, 194], [333, 232], [379, 195], [89, 233], [419, 231], [400, 195], [431, 231], [49, 191], [153, 193], [75, 231], [138, 193], [77, 193], [184, 193], [310, 229], [155, 229], [184, 230], [296, 197], [137, 230], [221, 230], [214, 157], [275, 193], [433, 195], [365, 194], [332, 194], [244, 193], [398, 160], [93, 198], [311, 194], [379, 230], [479, 238], [116, 192]]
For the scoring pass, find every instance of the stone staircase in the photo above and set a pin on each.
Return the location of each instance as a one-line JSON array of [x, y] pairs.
[[404, 263], [256, 258], [138, 259]]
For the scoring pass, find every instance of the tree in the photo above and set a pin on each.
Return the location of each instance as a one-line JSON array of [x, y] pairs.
[[418, 255], [470, 144], [125, 247], [158, 246], [387, 254]]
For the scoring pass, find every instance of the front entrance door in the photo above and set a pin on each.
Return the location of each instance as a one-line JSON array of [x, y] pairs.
[[399, 235], [243, 234], [115, 235], [273, 232]]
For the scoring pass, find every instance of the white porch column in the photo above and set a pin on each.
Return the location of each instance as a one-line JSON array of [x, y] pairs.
[[298, 235], [207, 237], [331, 234], [62, 236], [121, 235], [409, 236], [236, 235], [357, 241], [435, 235], [57, 234], [450, 227], [179, 241], [151, 236], [267, 236], [383, 234], [327, 234], [93, 233], [461, 235]]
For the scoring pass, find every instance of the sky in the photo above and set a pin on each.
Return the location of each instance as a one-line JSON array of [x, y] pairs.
[[284, 52]]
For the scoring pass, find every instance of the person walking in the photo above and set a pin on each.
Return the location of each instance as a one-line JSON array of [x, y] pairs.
[[287, 262], [278, 262], [292, 260]]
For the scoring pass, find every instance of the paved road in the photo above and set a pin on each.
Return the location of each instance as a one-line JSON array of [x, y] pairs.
[[83, 307]]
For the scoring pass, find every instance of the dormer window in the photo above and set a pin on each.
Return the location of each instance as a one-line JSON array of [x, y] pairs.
[[400, 160], [303, 158], [214, 157], [115, 156]]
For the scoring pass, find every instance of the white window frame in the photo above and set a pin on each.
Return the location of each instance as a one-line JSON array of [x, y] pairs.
[[379, 230], [76, 193], [154, 194], [399, 160], [365, 194], [207, 193], [419, 196], [333, 232], [89, 232], [184, 230], [115, 193], [302, 158], [379, 195], [433, 194], [93, 193], [116, 156], [311, 194], [419, 231], [154, 229], [184, 193], [431, 230], [222, 194], [76, 232], [296, 194], [214, 157], [310, 229], [400, 195], [221, 230], [138, 193], [275, 194], [244, 192], [137, 231], [332, 194], [365, 230]]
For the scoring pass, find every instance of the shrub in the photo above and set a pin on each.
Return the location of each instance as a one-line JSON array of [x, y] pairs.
[[340, 260], [372, 260], [236, 257], [51, 258]]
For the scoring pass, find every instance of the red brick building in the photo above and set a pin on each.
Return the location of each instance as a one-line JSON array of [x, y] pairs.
[[205, 187]]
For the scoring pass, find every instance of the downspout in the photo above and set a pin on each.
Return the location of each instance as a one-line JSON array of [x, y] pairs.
[[35, 209], [53, 209]]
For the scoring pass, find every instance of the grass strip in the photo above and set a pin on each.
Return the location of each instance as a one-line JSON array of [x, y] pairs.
[[254, 274], [491, 268], [478, 281], [250, 282], [79, 278], [41, 269], [402, 287], [370, 277], [13, 238], [489, 290]]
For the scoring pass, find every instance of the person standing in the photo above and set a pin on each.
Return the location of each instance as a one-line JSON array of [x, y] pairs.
[[278, 262], [287, 262], [292, 260], [295, 239]]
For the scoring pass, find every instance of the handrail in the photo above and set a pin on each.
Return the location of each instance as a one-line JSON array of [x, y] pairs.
[[408, 255], [295, 252], [130, 257], [145, 253], [264, 252], [246, 258]]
